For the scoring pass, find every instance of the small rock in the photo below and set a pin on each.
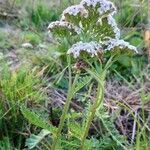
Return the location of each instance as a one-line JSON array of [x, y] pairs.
[[27, 45]]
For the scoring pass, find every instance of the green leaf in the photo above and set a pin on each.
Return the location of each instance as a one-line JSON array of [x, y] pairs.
[[5, 144], [82, 82], [34, 140], [75, 129], [37, 120], [88, 145]]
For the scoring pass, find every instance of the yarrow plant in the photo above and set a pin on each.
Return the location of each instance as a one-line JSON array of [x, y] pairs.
[[91, 32]]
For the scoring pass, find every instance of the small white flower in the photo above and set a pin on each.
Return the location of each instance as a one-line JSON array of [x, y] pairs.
[[113, 44], [89, 3], [64, 24], [104, 5], [92, 48], [74, 11]]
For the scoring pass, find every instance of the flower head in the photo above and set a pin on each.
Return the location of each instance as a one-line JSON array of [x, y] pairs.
[[120, 45], [103, 6], [75, 10], [107, 6], [74, 14], [63, 26], [91, 48]]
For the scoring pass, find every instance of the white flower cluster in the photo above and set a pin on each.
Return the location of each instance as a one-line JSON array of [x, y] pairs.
[[68, 23], [74, 15], [107, 6], [112, 22], [112, 44], [92, 48], [74, 11], [64, 24], [104, 5], [92, 3]]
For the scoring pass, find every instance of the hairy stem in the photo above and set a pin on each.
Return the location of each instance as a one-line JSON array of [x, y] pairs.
[[97, 103], [61, 124], [66, 107]]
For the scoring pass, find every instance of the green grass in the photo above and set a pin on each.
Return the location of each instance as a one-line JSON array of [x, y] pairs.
[[37, 15], [31, 37], [21, 87]]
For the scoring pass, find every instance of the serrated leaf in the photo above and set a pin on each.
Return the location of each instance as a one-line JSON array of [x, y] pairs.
[[88, 145], [34, 140], [35, 119], [82, 82], [75, 129]]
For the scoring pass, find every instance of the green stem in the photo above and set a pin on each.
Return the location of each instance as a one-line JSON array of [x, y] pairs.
[[66, 107], [99, 99], [97, 103], [61, 124]]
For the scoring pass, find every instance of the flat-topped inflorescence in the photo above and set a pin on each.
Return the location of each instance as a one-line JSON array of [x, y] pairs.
[[102, 6], [74, 14], [60, 27], [119, 45], [91, 48]]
